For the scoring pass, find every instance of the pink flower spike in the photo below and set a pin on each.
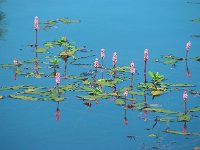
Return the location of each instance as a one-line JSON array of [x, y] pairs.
[[57, 77], [188, 45], [146, 55], [36, 23], [96, 63], [132, 68], [114, 59], [185, 96], [102, 53], [15, 62], [126, 93]]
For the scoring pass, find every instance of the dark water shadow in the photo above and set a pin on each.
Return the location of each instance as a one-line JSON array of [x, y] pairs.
[[2, 22]]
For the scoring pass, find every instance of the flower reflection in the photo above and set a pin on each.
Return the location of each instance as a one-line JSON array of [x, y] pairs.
[[145, 106], [184, 130], [36, 67], [57, 112], [187, 69], [185, 97]]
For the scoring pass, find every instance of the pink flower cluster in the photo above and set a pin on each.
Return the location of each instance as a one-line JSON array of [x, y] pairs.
[[146, 55], [114, 59], [36, 23], [185, 96], [96, 63], [57, 77], [126, 93], [188, 45], [102, 53], [132, 68], [15, 62]]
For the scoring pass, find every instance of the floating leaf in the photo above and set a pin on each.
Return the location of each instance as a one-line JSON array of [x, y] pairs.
[[119, 102], [6, 65], [152, 135], [32, 60], [67, 20], [1, 97], [22, 97], [196, 58], [181, 133], [184, 117], [196, 20], [49, 44], [172, 61], [180, 85], [40, 50], [14, 87], [156, 93], [197, 108], [160, 110]]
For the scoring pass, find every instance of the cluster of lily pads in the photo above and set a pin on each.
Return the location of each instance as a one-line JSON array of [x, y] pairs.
[[60, 53]]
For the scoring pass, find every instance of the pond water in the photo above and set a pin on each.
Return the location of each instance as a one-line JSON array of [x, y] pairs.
[[88, 109]]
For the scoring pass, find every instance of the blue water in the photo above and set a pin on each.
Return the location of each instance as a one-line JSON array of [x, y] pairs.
[[127, 27]]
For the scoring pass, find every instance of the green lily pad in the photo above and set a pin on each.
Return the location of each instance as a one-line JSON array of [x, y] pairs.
[[22, 97], [40, 50], [14, 87], [184, 117], [180, 85], [181, 133], [1, 97], [141, 93], [197, 108], [161, 110], [152, 135], [67, 20], [156, 93], [172, 61], [196, 58], [6, 65], [119, 102], [32, 60], [49, 44], [196, 20], [69, 87]]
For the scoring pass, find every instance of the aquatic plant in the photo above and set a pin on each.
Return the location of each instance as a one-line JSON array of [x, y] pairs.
[[132, 71], [146, 56], [102, 57], [114, 59]]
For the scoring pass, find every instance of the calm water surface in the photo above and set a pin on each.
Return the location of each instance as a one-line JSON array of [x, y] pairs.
[[124, 26]]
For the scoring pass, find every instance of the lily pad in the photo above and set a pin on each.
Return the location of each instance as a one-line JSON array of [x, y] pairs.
[[196, 20], [181, 133], [194, 109], [1, 97], [183, 117], [119, 102], [22, 97], [156, 93], [161, 110], [40, 50], [67, 20], [152, 135]]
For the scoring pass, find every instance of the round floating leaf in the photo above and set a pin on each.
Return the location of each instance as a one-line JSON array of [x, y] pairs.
[[1, 97], [160, 110], [156, 93], [197, 108], [184, 117], [119, 102], [181, 133], [22, 97], [40, 50], [152, 135], [196, 20]]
